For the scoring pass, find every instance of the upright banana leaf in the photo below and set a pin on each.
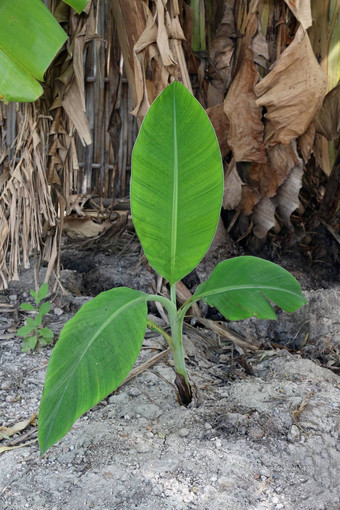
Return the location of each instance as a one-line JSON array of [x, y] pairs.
[[30, 37], [242, 287], [176, 184]]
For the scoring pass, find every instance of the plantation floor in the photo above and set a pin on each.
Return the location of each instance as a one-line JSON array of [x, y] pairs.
[[262, 433]]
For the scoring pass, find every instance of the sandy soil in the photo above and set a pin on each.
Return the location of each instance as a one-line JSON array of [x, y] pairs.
[[266, 439]]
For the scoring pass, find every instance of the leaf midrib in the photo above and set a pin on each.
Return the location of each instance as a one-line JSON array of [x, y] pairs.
[[174, 216], [245, 287]]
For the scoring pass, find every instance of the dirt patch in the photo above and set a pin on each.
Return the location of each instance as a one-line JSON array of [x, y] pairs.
[[249, 442]]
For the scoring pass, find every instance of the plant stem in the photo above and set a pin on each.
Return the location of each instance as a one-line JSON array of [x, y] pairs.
[[154, 327], [173, 293], [181, 381], [176, 346]]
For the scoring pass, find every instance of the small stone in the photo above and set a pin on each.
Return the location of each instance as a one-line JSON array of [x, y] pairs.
[[58, 311], [13, 297], [143, 448], [133, 392], [149, 411], [24, 295], [294, 433], [184, 432], [224, 482], [207, 426], [118, 398], [255, 433]]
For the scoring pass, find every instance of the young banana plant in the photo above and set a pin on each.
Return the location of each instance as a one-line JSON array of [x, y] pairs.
[[176, 196]]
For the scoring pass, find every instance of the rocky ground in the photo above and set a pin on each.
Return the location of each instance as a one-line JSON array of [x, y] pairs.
[[263, 432]]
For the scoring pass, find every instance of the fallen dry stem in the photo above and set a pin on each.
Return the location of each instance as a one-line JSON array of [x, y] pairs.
[[232, 337]]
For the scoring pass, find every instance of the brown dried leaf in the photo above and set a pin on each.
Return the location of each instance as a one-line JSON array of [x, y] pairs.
[[269, 176], [72, 104], [302, 11], [220, 123], [288, 194], [306, 141], [232, 190], [221, 53], [264, 217], [246, 128], [18, 427], [250, 197], [259, 47], [162, 36], [158, 50], [293, 91], [149, 35], [82, 227], [8, 448], [328, 118]]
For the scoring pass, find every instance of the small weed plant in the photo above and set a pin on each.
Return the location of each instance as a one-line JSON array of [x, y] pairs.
[[176, 196], [33, 333]]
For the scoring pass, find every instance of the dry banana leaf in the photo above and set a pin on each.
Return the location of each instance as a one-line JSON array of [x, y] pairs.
[[220, 122], [269, 176], [221, 54], [245, 116], [328, 118], [232, 194], [302, 11], [293, 91]]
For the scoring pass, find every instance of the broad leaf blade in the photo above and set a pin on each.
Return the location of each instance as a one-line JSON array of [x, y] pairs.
[[16, 84], [96, 351], [42, 292], [27, 306], [30, 37], [78, 5], [176, 184], [241, 287]]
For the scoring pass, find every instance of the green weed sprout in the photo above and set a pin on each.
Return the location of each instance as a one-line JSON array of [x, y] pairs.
[[33, 333]]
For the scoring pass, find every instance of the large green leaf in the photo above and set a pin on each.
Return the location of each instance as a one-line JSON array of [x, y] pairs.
[[241, 287], [96, 351], [176, 184], [30, 37]]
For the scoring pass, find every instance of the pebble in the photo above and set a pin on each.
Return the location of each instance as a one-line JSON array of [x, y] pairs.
[[13, 297], [133, 392], [294, 433], [143, 448], [184, 432], [207, 426], [224, 482], [58, 311], [149, 411], [255, 432], [118, 398]]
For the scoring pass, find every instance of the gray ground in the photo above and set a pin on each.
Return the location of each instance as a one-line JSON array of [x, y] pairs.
[[249, 442]]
